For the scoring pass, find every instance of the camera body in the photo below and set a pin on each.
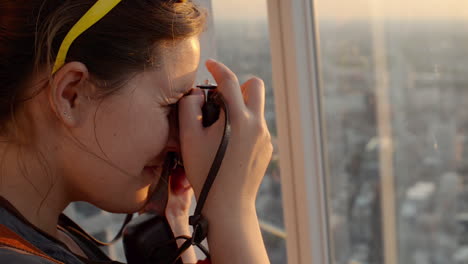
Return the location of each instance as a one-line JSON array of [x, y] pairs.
[[148, 239], [211, 108]]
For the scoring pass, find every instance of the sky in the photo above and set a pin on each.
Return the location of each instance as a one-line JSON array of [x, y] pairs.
[[350, 9], [240, 9], [393, 9]]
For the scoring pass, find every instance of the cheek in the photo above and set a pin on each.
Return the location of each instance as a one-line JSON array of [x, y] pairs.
[[146, 138], [131, 135], [156, 136], [128, 134], [128, 144]]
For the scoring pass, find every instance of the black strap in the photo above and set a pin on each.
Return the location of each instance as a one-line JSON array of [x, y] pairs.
[[71, 226], [217, 160]]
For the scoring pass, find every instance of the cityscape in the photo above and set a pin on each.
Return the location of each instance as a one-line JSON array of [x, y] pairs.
[[427, 95]]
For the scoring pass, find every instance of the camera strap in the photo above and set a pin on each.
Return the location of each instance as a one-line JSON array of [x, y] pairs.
[[197, 221]]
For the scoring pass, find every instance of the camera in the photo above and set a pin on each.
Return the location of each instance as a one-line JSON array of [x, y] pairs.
[[211, 108]]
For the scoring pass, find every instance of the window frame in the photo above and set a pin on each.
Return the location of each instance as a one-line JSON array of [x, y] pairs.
[[296, 85]]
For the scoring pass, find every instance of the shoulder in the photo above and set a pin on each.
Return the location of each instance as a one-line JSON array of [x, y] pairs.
[[13, 256]]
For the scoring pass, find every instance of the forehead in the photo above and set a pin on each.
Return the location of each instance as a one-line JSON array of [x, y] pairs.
[[180, 60]]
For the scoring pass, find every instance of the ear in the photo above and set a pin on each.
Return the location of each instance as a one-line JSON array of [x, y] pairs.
[[69, 93]]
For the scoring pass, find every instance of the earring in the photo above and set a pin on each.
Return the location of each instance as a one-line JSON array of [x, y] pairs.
[[66, 114]]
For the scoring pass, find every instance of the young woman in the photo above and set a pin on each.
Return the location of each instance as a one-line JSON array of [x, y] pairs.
[[91, 117]]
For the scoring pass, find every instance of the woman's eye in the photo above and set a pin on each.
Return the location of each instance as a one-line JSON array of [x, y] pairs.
[[173, 115], [172, 108]]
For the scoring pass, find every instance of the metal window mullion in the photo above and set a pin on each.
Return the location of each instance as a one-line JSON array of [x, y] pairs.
[[297, 99], [282, 120]]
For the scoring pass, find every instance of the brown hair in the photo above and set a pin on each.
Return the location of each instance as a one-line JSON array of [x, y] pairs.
[[119, 45]]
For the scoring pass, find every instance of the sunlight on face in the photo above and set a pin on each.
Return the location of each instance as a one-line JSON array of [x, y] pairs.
[[133, 130]]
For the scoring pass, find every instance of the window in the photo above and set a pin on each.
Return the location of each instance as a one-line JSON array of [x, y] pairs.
[[373, 119], [396, 147]]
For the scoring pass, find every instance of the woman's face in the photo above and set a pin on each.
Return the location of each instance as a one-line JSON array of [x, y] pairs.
[[131, 130]]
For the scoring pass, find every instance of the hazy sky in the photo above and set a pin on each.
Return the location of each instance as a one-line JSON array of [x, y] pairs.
[[350, 9], [394, 9], [240, 9]]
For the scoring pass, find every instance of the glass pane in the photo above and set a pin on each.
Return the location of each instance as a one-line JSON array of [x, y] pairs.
[[242, 43], [394, 88]]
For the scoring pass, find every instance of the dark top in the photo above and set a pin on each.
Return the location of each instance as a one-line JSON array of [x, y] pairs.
[[56, 249]]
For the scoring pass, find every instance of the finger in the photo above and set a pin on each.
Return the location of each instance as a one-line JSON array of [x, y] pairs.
[[254, 94], [228, 84], [190, 115], [178, 182]]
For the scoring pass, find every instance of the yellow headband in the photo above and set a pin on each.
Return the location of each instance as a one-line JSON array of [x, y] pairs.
[[94, 14]]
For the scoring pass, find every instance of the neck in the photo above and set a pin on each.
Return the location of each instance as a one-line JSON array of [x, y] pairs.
[[32, 187]]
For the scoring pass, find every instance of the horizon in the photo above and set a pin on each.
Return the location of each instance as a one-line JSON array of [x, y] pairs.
[[433, 10]]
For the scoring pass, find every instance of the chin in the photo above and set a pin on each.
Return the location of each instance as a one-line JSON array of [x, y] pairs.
[[127, 203]]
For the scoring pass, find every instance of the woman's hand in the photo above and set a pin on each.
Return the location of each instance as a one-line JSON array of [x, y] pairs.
[[249, 150], [180, 195], [234, 235], [178, 210]]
